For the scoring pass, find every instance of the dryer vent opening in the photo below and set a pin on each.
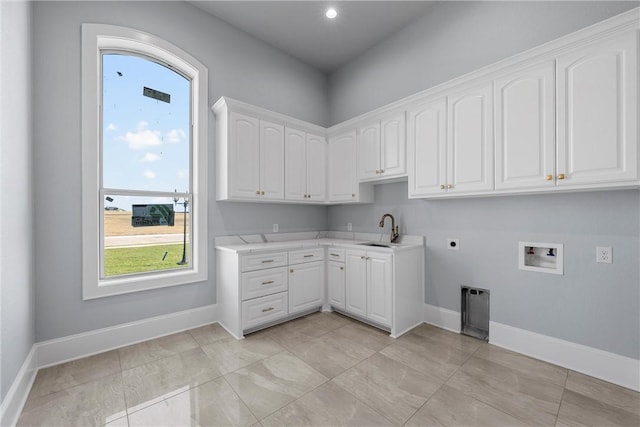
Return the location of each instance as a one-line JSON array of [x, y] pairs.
[[475, 312]]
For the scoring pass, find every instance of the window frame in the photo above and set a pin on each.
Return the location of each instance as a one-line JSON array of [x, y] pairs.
[[96, 40]]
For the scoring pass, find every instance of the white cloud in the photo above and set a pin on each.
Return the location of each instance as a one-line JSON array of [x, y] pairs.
[[112, 127], [175, 135], [149, 174], [143, 137], [183, 173], [150, 158]]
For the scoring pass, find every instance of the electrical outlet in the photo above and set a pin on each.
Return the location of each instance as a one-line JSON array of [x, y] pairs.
[[275, 228], [453, 244], [349, 227], [604, 254]]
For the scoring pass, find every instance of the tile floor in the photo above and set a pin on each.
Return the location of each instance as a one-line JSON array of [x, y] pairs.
[[324, 370]]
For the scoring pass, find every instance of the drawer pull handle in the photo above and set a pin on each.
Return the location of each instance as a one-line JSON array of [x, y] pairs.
[[267, 260], [268, 282], [264, 310], [308, 256], [334, 254]]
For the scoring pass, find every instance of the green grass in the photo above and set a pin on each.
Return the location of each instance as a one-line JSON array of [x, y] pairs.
[[142, 259]]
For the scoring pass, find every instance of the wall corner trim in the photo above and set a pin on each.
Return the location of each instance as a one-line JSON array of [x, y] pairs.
[[16, 397], [607, 366]]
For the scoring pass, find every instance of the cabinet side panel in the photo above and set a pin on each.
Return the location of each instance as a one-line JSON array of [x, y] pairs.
[[228, 301]]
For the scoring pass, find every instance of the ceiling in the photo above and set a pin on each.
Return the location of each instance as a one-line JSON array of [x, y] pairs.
[[301, 29]]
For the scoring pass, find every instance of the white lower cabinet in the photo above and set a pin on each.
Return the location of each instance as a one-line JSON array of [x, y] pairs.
[[336, 278], [260, 289], [306, 284], [369, 286]]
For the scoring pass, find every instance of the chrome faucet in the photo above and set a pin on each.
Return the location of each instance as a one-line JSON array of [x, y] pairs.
[[394, 228]]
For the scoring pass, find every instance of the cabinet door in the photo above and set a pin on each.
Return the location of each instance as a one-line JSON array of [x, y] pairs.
[[306, 284], [295, 156], [379, 288], [597, 112], [343, 180], [356, 286], [525, 128], [244, 153], [271, 160], [316, 164], [470, 140], [427, 148], [336, 284], [369, 151], [393, 146]]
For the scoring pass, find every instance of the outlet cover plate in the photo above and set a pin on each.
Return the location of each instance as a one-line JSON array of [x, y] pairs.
[[604, 254]]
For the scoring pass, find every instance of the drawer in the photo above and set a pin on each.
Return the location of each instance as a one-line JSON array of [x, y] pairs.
[[262, 310], [264, 282], [260, 261], [334, 254], [306, 255]]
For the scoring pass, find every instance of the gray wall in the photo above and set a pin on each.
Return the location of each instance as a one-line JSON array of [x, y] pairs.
[[592, 304], [597, 305], [452, 39], [16, 194], [239, 66]]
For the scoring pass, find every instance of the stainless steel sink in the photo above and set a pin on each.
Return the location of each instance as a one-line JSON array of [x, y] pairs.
[[379, 245]]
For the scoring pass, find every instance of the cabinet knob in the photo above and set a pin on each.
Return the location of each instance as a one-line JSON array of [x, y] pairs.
[[341, 268], [442, 186], [381, 170], [258, 192], [309, 195], [262, 193], [449, 186], [549, 177], [362, 257], [560, 176], [291, 271], [353, 194], [378, 171]]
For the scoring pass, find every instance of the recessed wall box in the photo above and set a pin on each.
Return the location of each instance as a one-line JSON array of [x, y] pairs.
[[541, 257]]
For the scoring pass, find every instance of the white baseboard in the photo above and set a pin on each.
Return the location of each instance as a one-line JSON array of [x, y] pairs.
[[73, 347], [442, 318], [16, 397], [605, 365], [594, 362]]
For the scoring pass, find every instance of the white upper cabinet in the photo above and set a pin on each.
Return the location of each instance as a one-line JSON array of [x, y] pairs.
[[470, 140], [316, 168], [271, 161], [305, 166], [256, 159], [343, 178], [525, 127], [382, 148], [244, 157], [427, 148], [597, 112]]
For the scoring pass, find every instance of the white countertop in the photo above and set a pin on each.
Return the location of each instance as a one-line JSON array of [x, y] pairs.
[[237, 243]]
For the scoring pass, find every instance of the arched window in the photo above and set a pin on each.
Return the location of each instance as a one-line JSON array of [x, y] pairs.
[[144, 153]]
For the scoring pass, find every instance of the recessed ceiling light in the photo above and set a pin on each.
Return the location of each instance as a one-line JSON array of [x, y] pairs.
[[331, 13]]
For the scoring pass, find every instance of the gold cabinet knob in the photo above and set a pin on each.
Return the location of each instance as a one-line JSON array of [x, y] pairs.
[[560, 176], [381, 170], [377, 172], [309, 196], [442, 186], [258, 192], [449, 186], [549, 177], [262, 193]]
